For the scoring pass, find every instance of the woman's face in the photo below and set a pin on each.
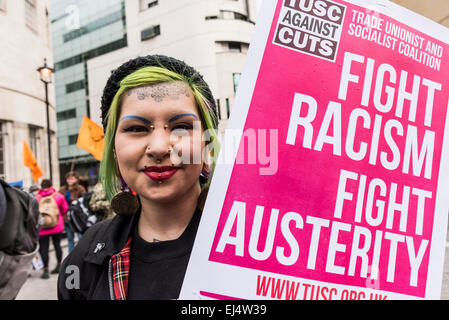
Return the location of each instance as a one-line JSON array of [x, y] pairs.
[[71, 180], [158, 142]]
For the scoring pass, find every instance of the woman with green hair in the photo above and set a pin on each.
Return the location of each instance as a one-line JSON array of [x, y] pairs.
[[160, 126]]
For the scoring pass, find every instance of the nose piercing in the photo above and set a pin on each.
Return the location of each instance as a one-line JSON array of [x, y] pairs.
[[158, 161], [166, 126], [170, 149]]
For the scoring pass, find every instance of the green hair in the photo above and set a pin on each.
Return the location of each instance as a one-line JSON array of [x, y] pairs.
[[109, 174]]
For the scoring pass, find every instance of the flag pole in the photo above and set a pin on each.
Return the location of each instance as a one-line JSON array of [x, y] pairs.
[[72, 167]]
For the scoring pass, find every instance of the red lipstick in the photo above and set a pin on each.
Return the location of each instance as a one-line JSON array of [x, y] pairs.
[[160, 173]]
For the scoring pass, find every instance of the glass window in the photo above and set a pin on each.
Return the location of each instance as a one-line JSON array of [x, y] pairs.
[[34, 137], [67, 114], [150, 33], [31, 14], [75, 86], [146, 4], [95, 25], [66, 63], [152, 3], [226, 14], [235, 46], [73, 138], [236, 80], [240, 16], [231, 15], [219, 109]]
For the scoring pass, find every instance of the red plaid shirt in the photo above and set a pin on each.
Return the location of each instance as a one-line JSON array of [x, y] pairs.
[[120, 272]]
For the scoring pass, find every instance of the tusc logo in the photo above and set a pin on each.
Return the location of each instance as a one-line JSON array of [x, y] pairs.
[[310, 26]]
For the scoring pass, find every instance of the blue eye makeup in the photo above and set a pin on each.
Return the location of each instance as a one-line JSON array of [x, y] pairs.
[[146, 121], [182, 115]]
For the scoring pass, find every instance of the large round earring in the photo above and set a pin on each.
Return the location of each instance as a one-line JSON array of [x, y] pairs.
[[125, 203]]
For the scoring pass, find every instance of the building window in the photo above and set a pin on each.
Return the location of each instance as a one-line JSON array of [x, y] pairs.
[[146, 4], [75, 86], [239, 16], [231, 46], [235, 46], [73, 138], [150, 33], [47, 28], [34, 137], [95, 25], [228, 15], [228, 110], [219, 109], [65, 115], [2, 152], [115, 45], [236, 80], [231, 15], [31, 14]]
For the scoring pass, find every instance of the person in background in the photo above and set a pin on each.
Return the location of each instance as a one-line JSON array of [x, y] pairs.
[[19, 230], [71, 191], [34, 189], [53, 233], [99, 203], [84, 181]]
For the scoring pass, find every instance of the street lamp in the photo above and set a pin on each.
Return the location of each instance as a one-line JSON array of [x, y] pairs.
[[45, 75]]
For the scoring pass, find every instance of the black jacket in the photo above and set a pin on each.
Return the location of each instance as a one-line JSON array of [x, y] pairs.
[[84, 273]]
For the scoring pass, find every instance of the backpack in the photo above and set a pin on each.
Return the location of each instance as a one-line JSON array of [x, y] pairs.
[[80, 215], [49, 212], [19, 238]]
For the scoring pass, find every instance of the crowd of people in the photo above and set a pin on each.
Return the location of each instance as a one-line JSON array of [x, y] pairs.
[[74, 189]]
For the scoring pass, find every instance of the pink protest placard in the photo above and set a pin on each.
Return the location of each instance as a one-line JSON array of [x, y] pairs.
[[339, 186]]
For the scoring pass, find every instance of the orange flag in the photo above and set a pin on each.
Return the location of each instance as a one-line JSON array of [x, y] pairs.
[[29, 160], [91, 138]]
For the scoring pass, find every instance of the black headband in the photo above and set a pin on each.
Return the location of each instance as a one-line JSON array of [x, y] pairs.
[[172, 64]]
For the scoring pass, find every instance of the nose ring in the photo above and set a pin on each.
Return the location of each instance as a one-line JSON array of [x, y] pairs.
[[158, 161]]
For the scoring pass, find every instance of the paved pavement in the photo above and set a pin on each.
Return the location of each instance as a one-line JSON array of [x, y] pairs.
[[36, 288], [445, 286]]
